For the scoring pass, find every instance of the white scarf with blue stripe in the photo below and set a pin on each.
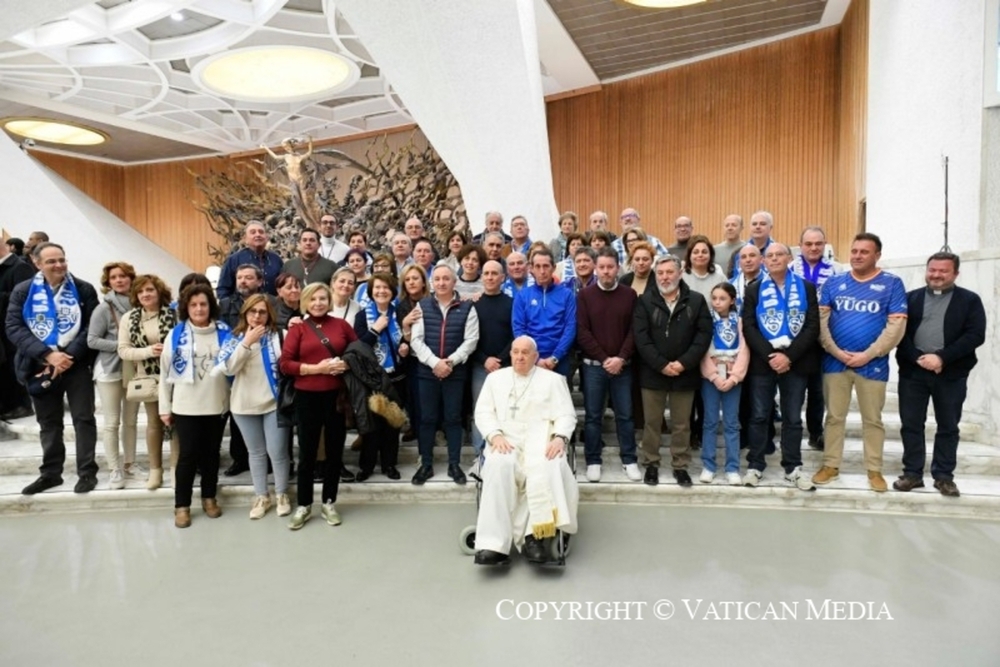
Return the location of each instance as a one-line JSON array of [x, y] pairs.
[[781, 313], [389, 339], [54, 318], [270, 352]]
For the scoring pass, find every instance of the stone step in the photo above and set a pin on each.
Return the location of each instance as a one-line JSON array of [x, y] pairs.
[[24, 456], [980, 496]]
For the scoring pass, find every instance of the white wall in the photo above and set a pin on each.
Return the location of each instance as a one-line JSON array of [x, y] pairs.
[[925, 100], [36, 198]]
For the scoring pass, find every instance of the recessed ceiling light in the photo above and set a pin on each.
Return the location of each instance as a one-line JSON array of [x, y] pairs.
[[55, 132], [177, 16], [663, 4], [276, 73]]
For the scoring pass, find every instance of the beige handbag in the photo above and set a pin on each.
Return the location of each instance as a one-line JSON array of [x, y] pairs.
[[143, 389]]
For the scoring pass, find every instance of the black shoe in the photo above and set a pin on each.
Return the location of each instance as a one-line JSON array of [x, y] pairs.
[[455, 472], [346, 475], [817, 443], [85, 484], [534, 550], [423, 474], [391, 472], [362, 476], [319, 474], [947, 488], [410, 436], [682, 477], [41, 484], [235, 469], [291, 469], [695, 442], [487, 557], [652, 475], [906, 483], [17, 413]]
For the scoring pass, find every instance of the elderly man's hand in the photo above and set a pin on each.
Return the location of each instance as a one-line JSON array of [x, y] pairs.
[[556, 448], [500, 445]]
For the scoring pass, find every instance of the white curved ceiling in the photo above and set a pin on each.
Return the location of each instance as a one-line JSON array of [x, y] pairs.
[[129, 63]]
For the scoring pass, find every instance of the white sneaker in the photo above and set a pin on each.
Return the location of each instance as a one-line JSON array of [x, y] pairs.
[[135, 471], [800, 479], [329, 513], [260, 507], [752, 478], [117, 480], [594, 472], [706, 477], [284, 505], [302, 514], [734, 479], [632, 472]]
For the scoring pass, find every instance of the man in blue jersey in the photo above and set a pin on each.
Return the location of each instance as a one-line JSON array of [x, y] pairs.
[[862, 318], [547, 312], [811, 266]]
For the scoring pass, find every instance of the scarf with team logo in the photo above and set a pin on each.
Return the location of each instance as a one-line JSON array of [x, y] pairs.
[[388, 341], [270, 352], [179, 356], [53, 317], [781, 313], [726, 334]]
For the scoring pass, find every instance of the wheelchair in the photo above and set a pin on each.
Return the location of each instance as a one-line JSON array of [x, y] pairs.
[[467, 537]]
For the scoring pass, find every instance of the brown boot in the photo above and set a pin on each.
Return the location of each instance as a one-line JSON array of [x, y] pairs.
[[182, 517], [211, 507]]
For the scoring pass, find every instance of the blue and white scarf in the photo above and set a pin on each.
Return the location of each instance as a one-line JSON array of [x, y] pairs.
[[270, 352], [726, 332], [180, 351], [388, 340], [53, 317], [817, 275], [781, 313]]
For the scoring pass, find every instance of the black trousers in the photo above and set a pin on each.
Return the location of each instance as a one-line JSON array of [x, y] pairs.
[[381, 444], [916, 390], [317, 412], [78, 388], [13, 395], [199, 438]]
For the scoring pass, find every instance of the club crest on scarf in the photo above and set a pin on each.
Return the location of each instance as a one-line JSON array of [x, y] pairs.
[[726, 332], [780, 312], [50, 315]]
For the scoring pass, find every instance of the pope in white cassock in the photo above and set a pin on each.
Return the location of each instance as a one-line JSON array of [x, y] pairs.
[[527, 416]]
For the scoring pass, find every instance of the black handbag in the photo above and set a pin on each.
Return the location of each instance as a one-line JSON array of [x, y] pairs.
[[286, 395]]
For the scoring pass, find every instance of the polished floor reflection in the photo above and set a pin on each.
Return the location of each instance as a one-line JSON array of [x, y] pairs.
[[390, 586]]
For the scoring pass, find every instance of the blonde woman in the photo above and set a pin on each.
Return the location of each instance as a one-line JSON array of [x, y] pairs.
[[141, 335]]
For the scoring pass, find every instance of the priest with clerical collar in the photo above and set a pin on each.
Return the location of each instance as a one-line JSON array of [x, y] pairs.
[[529, 490]]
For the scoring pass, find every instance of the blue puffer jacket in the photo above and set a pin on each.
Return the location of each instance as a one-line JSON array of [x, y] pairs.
[[549, 316]]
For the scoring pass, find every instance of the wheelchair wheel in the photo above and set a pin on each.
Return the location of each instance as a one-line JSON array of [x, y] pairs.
[[467, 540]]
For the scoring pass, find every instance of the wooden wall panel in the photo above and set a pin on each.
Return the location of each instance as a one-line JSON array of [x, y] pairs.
[[101, 181], [852, 112], [750, 130]]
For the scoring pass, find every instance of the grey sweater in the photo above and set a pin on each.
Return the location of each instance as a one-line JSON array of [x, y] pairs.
[[103, 337]]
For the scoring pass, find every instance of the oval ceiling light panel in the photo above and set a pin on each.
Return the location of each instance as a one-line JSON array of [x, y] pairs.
[[55, 132], [276, 74]]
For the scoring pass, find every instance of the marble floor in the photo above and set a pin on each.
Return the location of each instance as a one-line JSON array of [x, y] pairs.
[[390, 586]]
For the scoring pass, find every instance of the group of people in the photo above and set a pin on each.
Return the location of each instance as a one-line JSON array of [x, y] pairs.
[[739, 332]]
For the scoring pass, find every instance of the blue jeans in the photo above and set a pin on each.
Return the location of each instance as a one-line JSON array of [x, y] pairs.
[[948, 395], [440, 401], [265, 438], [598, 384], [793, 394], [729, 403]]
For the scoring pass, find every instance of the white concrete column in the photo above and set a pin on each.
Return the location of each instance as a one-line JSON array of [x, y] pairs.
[[469, 74], [925, 100]]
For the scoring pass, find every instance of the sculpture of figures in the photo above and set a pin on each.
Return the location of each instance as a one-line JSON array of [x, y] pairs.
[[303, 194]]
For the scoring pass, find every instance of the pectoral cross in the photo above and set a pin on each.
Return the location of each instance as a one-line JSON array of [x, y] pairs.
[[513, 411]]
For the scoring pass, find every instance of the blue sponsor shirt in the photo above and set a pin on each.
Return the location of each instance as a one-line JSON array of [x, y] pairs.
[[859, 311]]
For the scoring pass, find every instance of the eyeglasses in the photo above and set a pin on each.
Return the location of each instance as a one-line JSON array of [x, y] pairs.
[[775, 255], [260, 313]]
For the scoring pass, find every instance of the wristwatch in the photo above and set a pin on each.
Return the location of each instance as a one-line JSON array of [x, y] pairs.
[[561, 437]]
